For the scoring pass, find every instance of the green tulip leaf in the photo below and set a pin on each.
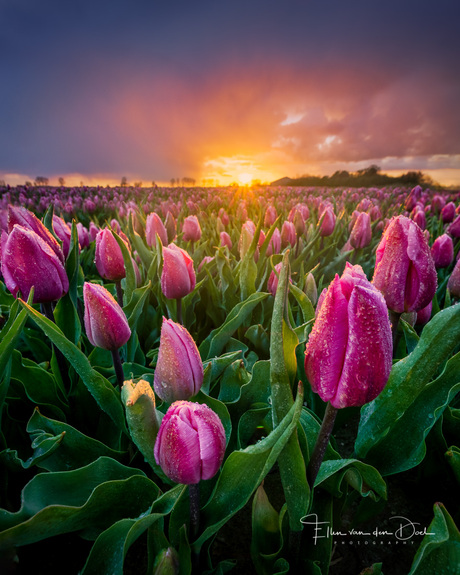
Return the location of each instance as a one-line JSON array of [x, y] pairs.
[[100, 388], [363, 478], [408, 379], [453, 457], [439, 551], [87, 500]]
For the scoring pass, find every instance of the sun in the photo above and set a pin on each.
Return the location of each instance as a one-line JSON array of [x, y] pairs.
[[245, 178]]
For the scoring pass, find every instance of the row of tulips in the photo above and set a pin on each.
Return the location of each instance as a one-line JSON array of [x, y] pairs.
[[218, 390]]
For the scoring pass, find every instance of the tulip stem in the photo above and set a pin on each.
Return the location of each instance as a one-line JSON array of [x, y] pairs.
[[394, 320], [118, 367], [119, 293], [47, 311], [179, 311], [194, 495], [321, 443]]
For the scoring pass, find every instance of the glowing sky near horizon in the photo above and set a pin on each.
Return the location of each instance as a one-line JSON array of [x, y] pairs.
[[227, 91]]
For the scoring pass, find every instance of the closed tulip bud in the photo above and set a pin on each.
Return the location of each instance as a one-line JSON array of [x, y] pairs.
[[170, 225], [299, 223], [83, 236], [224, 217], [166, 562], [453, 285], [404, 268], [437, 203], [63, 232], [109, 258], [361, 234], [349, 353], [328, 222], [225, 240], [274, 245], [272, 284], [310, 288], [442, 251], [115, 225], [26, 219], [204, 262], [190, 445], [270, 216], [420, 219], [93, 231], [178, 276], [265, 524], [288, 234], [448, 213], [413, 197], [179, 370], [454, 228], [154, 227], [191, 229], [28, 261], [105, 322]]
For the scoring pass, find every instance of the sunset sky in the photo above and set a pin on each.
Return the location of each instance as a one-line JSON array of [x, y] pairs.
[[234, 90]]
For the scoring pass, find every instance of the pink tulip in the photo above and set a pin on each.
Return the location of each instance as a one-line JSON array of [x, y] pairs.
[[328, 222], [288, 234], [349, 353], [442, 251], [424, 315], [105, 322], [272, 284], [453, 285], [270, 216], [26, 219], [28, 261], [191, 229], [93, 231], [454, 228], [83, 236], [179, 370], [225, 240], [361, 234], [448, 213], [153, 227], [404, 268], [178, 277], [63, 232], [109, 258], [274, 245], [170, 225], [190, 444], [420, 219]]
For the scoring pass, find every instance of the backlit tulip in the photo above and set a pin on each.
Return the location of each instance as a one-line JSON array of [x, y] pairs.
[[178, 276], [404, 268], [190, 444], [448, 213], [109, 258], [454, 228], [105, 322], [274, 245], [453, 285], [28, 261], [348, 355], [328, 222], [191, 229], [170, 225], [63, 232], [442, 251], [288, 234], [154, 227], [225, 240], [179, 369], [83, 235], [361, 234]]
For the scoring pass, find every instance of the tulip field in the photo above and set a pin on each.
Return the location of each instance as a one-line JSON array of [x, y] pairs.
[[249, 380]]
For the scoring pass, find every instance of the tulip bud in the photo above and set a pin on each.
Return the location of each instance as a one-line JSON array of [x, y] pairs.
[[310, 288], [191, 229], [442, 251], [178, 277], [328, 222], [83, 236], [63, 232], [28, 261], [272, 284], [179, 370], [265, 524], [166, 562], [361, 234], [26, 219], [170, 225], [299, 223], [288, 234], [225, 240], [454, 228], [424, 315], [190, 445], [274, 245], [437, 203], [448, 213], [404, 268], [153, 227], [270, 216], [420, 219], [105, 322], [93, 231], [348, 355], [453, 285], [109, 258]]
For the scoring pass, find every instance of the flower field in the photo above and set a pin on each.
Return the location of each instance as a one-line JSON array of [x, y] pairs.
[[249, 380]]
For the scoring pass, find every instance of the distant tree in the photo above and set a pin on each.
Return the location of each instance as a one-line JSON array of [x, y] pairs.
[[61, 182], [2, 183], [138, 184], [28, 184], [124, 182], [173, 181], [41, 181]]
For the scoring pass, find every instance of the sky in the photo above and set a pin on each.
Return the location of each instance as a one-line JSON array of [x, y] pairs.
[[227, 90]]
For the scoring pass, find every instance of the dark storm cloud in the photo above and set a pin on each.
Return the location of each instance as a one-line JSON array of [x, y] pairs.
[[155, 88]]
